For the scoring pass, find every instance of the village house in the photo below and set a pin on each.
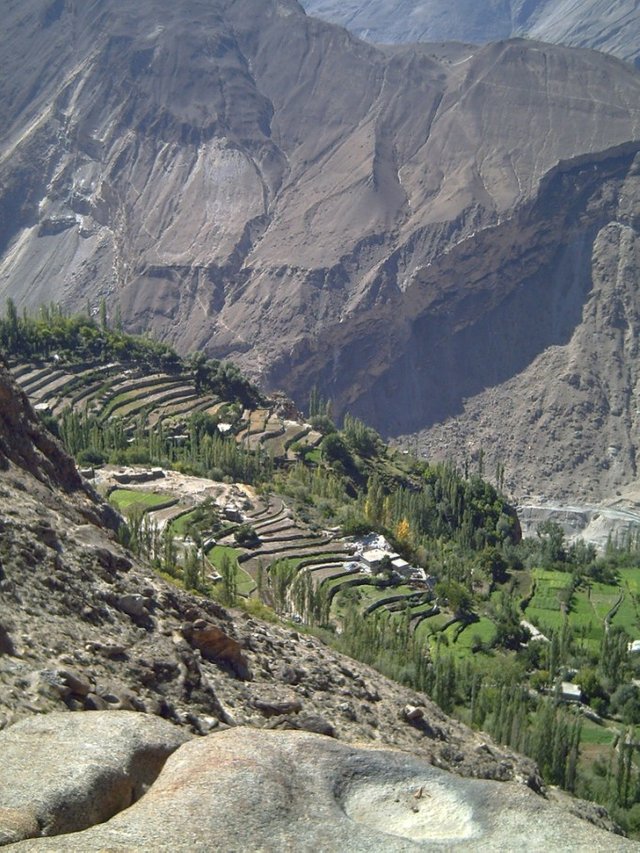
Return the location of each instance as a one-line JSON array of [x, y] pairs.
[[570, 692], [372, 559]]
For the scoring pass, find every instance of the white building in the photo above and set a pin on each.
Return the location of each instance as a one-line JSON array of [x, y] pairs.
[[373, 558], [570, 692], [401, 566]]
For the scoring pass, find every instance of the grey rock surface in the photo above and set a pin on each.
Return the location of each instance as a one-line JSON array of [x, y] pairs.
[[284, 791], [572, 412], [612, 26], [63, 772]]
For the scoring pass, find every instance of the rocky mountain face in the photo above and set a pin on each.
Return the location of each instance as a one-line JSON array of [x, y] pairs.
[[566, 424], [85, 628], [612, 26], [404, 227]]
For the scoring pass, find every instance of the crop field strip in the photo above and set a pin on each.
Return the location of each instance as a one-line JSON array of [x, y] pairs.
[[132, 402], [54, 387], [127, 500], [83, 388], [188, 405]]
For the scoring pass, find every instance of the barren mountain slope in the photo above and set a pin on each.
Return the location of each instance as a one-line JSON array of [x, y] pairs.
[[241, 178], [612, 26], [568, 425]]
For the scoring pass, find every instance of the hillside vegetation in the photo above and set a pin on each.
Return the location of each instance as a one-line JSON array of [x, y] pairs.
[[459, 626]]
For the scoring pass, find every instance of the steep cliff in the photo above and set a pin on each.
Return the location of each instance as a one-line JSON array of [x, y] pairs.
[[398, 226], [566, 424]]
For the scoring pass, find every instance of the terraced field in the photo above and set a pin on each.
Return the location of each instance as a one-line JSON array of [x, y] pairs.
[[588, 608], [550, 600], [284, 537], [130, 500], [627, 615], [126, 392], [112, 390], [136, 399]]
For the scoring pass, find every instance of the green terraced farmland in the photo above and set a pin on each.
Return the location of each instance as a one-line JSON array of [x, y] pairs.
[[483, 630], [141, 399], [545, 608], [432, 625], [585, 620], [215, 554], [245, 584], [129, 500], [603, 598], [627, 615], [450, 632], [368, 592], [594, 733], [179, 525], [630, 579]]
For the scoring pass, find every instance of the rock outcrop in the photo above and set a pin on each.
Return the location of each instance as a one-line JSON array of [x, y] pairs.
[[26, 444], [251, 790], [63, 773]]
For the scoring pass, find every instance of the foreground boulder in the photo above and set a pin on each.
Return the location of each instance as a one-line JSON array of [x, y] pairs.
[[64, 772], [246, 789]]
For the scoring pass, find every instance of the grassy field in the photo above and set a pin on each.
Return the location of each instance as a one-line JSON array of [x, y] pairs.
[[244, 582], [588, 606], [432, 625], [215, 554], [603, 597], [592, 733], [627, 616], [484, 630], [460, 640], [630, 579], [585, 620], [179, 525], [130, 500], [545, 608]]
